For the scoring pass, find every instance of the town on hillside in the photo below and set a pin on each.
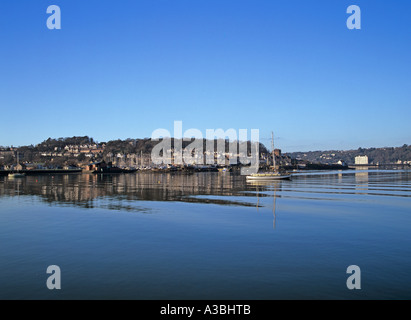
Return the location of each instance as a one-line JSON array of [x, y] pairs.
[[135, 154]]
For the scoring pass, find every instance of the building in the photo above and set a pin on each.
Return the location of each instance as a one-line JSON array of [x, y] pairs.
[[361, 160], [341, 163], [95, 166], [19, 167]]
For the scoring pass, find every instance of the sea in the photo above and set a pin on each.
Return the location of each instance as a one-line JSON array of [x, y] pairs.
[[174, 236]]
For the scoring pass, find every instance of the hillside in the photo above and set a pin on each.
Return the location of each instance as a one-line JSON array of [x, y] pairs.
[[375, 155], [75, 150]]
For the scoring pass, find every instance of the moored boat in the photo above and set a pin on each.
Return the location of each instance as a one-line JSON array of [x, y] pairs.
[[16, 175], [268, 176]]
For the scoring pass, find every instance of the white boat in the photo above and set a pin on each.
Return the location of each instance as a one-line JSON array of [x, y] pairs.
[[267, 176], [264, 176], [16, 174]]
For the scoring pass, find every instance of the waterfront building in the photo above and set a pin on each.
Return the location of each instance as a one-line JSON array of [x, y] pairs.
[[361, 160]]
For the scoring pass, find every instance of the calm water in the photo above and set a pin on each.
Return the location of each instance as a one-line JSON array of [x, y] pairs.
[[206, 236]]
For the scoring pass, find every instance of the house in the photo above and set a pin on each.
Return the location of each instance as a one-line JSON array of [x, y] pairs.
[[19, 167], [96, 151], [31, 166], [342, 163], [95, 166], [71, 167]]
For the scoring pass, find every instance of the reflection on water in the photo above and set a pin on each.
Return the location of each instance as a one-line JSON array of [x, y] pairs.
[[261, 188], [364, 182], [86, 190], [361, 179], [209, 235], [127, 191], [83, 190]]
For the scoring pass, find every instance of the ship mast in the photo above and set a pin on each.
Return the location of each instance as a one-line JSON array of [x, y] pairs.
[[272, 148]]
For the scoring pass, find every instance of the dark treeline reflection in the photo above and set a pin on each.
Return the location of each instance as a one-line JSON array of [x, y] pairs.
[[122, 192]]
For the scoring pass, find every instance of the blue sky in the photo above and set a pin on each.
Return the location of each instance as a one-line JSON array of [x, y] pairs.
[[121, 69]]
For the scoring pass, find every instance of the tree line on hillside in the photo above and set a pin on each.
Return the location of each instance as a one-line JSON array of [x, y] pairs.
[[130, 146], [375, 155], [34, 153]]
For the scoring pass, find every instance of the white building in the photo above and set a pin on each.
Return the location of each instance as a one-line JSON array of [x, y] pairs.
[[361, 160], [341, 163]]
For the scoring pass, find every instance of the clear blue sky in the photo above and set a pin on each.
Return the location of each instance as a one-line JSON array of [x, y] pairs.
[[121, 69]]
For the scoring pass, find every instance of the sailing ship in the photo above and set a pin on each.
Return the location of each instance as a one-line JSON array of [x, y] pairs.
[[17, 174], [271, 175], [268, 176]]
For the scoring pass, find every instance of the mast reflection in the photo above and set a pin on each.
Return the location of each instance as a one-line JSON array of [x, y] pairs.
[[264, 186]]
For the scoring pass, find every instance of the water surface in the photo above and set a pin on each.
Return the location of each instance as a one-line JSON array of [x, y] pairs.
[[206, 236]]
